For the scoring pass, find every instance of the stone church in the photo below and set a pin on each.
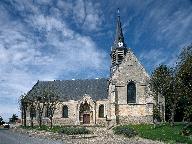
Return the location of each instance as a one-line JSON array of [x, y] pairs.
[[124, 97]]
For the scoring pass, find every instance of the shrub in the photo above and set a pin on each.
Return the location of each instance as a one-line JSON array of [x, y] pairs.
[[187, 130], [69, 130], [125, 130], [74, 130]]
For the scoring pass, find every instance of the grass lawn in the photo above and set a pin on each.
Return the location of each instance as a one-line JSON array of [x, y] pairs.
[[69, 130], [162, 132]]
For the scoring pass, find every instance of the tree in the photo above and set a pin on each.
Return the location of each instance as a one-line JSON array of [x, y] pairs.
[[41, 103], [1, 121], [23, 102], [48, 100], [42, 98], [37, 97], [185, 74], [166, 83], [13, 119], [52, 102], [174, 94], [159, 83], [32, 110]]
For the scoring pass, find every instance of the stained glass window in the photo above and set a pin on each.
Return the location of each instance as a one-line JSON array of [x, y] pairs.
[[131, 93], [65, 111], [101, 111]]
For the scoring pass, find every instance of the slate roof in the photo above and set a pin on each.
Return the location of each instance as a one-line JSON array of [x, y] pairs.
[[75, 89]]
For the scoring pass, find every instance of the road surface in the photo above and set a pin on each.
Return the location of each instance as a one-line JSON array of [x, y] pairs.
[[9, 137]]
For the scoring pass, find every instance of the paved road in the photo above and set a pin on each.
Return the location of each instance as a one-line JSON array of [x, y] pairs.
[[9, 137]]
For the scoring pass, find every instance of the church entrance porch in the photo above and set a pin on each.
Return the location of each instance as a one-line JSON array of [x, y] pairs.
[[86, 111]]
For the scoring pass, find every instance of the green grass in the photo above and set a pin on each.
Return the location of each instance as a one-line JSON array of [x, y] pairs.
[[69, 130], [162, 132]]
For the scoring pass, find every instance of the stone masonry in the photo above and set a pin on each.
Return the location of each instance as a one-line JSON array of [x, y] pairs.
[[123, 98]]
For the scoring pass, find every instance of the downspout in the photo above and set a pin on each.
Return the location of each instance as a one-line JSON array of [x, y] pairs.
[[95, 112]]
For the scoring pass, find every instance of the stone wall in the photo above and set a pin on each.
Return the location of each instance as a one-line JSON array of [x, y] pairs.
[[101, 121], [131, 70], [72, 113], [135, 119], [135, 110], [122, 94], [142, 111]]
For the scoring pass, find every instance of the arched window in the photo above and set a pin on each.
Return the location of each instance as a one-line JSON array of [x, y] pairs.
[[65, 112], [131, 93], [48, 112], [101, 111], [32, 112]]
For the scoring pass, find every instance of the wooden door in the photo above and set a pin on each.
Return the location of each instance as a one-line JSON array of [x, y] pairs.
[[86, 119]]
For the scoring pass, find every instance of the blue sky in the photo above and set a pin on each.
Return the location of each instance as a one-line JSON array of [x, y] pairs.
[[60, 39]]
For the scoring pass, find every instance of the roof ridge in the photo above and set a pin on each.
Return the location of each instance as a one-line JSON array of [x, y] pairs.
[[72, 80]]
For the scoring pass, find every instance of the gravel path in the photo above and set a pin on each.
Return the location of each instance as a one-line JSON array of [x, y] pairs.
[[104, 136], [99, 136]]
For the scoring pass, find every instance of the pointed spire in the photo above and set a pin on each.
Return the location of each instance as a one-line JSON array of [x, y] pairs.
[[119, 48], [118, 34]]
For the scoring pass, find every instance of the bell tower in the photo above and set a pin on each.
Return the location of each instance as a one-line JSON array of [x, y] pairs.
[[118, 49]]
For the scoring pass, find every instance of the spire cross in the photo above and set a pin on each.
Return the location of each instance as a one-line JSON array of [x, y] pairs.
[[118, 12]]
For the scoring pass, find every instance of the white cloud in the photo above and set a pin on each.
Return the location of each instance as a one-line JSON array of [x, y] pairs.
[[87, 15], [154, 56], [157, 56], [26, 56], [160, 29]]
